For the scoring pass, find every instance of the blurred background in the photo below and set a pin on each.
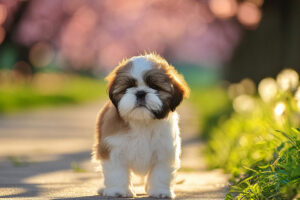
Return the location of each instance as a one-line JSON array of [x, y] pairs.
[[233, 54], [57, 52], [232, 39]]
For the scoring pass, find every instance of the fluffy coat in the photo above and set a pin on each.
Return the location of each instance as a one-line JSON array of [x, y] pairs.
[[137, 130]]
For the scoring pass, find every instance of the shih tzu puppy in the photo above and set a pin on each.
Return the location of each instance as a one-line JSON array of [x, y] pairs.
[[137, 130]]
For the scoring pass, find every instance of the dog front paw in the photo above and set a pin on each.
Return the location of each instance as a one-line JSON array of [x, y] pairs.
[[116, 192], [161, 193]]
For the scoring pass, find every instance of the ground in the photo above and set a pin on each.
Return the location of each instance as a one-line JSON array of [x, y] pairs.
[[45, 154]]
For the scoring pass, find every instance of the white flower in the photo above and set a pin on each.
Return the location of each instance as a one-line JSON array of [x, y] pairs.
[[243, 103], [267, 89], [287, 79], [279, 109], [297, 94]]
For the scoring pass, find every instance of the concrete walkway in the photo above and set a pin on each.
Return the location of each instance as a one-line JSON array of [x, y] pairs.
[[45, 154]]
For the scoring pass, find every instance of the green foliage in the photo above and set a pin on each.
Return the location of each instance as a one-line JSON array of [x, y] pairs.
[[8, 56], [198, 75], [279, 178], [212, 104], [48, 90], [186, 169], [259, 147], [18, 161], [76, 168]]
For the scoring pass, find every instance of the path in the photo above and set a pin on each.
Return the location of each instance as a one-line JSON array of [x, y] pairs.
[[45, 154]]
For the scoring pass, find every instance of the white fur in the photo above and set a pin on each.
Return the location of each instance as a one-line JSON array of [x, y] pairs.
[[140, 65], [127, 105], [150, 147]]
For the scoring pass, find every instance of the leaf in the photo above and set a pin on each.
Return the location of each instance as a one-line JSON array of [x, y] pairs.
[[76, 168], [291, 139], [180, 181], [229, 196]]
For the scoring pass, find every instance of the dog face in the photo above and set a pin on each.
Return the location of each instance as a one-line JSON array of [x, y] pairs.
[[146, 87]]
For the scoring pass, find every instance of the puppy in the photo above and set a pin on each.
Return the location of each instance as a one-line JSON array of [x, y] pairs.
[[137, 130]]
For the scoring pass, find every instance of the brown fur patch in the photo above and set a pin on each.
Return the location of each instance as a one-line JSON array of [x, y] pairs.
[[170, 85], [119, 80], [109, 123], [177, 79], [158, 80]]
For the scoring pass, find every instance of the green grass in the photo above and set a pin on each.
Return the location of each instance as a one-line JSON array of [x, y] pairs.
[[76, 168], [186, 169], [18, 161], [260, 148], [278, 178], [212, 104], [48, 90]]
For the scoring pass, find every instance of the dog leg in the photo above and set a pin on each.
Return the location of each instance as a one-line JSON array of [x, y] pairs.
[[116, 180], [160, 181]]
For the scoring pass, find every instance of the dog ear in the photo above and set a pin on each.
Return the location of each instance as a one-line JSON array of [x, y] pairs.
[[180, 88], [112, 97], [111, 78], [177, 96]]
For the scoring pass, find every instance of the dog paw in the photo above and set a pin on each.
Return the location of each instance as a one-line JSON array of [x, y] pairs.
[[161, 193], [116, 192]]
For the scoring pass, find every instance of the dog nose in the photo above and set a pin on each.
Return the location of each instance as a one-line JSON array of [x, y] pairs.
[[140, 94]]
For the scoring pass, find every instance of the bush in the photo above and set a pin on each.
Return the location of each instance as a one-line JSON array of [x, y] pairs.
[[212, 103], [258, 145]]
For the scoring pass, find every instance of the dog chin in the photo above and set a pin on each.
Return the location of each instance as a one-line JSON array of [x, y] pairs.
[[131, 110], [140, 114]]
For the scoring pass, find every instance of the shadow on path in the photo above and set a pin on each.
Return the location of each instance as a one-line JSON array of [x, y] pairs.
[[212, 194], [63, 162], [61, 129], [19, 174]]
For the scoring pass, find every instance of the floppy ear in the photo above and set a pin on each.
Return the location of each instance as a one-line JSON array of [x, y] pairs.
[[111, 78], [112, 97], [177, 97], [180, 88]]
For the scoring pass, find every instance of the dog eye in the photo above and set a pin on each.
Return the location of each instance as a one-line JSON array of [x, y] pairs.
[[157, 82], [155, 87], [130, 83]]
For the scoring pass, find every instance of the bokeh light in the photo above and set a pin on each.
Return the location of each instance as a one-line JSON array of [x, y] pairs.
[[287, 79], [2, 34], [249, 14], [3, 13], [267, 89], [235, 89], [298, 105], [223, 8], [22, 70], [249, 86], [243, 103], [297, 94], [246, 86], [258, 3], [107, 31], [279, 109], [297, 98], [41, 54]]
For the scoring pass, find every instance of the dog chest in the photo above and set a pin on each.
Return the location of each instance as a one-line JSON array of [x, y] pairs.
[[140, 151], [141, 147]]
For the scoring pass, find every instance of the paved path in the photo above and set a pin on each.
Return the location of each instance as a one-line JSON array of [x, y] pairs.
[[45, 154]]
